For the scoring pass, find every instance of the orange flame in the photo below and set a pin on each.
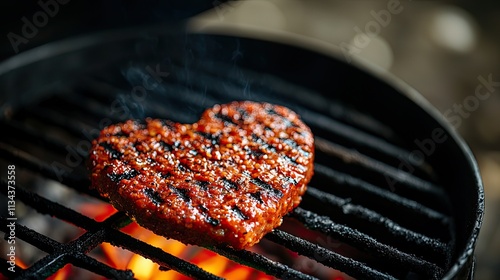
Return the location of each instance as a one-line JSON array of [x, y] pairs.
[[19, 263], [146, 269]]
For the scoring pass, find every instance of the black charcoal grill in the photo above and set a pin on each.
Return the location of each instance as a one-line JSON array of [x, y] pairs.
[[409, 212]]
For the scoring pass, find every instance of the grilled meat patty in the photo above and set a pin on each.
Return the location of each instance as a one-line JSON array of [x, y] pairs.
[[227, 179]]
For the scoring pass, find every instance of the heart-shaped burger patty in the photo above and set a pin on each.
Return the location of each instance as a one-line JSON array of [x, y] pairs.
[[227, 179]]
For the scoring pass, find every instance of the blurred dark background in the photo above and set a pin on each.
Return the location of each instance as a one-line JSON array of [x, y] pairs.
[[440, 48], [69, 18]]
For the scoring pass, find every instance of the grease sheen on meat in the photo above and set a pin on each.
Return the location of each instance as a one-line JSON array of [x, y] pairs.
[[227, 179]]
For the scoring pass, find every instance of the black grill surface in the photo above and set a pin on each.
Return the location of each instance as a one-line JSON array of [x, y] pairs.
[[398, 220]]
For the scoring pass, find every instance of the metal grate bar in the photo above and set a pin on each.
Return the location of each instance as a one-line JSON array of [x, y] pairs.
[[86, 107], [161, 105], [385, 201], [157, 255], [353, 163], [55, 173], [60, 255], [91, 264], [349, 266], [262, 263], [374, 225], [17, 129], [56, 119], [101, 91], [364, 143], [47, 207], [362, 241], [74, 253], [47, 142], [350, 156]]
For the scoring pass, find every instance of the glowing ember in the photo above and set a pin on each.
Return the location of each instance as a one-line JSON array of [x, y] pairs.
[[63, 273]]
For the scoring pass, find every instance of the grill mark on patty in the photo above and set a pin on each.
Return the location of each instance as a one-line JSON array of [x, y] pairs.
[[243, 114], [214, 138], [183, 168], [225, 118], [285, 120], [257, 195], [126, 175], [168, 124], [154, 196], [294, 162], [263, 143], [120, 134], [258, 182], [202, 184], [238, 213], [271, 111], [165, 175], [214, 222], [289, 159], [229, 185], [289, 180], [295, 146], [254, 152], [271, 148], [141, 124], [166, 146], [137, 147], [182, 193], [114, 153]]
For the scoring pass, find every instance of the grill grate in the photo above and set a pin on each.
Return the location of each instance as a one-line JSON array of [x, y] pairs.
[[404, 228]]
